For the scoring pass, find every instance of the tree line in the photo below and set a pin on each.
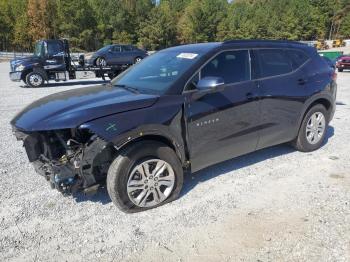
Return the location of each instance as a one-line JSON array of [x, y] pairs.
[[153, 25]]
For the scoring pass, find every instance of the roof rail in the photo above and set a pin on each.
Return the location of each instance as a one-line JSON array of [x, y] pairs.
[[237, 41]]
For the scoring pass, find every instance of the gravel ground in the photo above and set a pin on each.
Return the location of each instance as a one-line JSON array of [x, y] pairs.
[[273, 205]]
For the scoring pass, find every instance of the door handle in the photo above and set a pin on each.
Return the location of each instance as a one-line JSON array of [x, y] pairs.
[[250, 96], [301, 81]]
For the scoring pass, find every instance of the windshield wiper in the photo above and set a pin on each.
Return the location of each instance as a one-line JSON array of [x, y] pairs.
[[129, 88]]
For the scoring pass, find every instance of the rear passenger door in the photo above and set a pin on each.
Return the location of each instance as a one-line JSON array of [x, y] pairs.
[[127, 54], [115, 55], [282, 80]]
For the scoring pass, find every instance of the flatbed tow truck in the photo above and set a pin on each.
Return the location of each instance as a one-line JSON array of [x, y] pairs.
[[52, 61]]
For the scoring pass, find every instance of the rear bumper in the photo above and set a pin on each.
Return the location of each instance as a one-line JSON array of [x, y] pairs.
[[15, 76]]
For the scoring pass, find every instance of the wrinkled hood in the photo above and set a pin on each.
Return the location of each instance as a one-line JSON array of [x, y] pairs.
[[72, 108]]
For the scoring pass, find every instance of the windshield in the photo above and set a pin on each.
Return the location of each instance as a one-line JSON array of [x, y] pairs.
[[157, 72], [38, 49]]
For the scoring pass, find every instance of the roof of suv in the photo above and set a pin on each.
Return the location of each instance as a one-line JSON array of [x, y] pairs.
[[205, 47]]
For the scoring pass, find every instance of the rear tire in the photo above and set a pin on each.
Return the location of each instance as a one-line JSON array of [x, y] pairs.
[[313, 129], [340, 70], [131, 179], [137, 60], [35, 79]]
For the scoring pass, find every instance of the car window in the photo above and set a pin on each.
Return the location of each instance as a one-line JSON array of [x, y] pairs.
[[53, 48], [297, 57], [116, 48], [126, 48], [232, 66], [192, 84], [273, 62]]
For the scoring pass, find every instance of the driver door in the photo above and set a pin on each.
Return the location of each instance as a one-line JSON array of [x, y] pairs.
[[223, 124], [53, 58]]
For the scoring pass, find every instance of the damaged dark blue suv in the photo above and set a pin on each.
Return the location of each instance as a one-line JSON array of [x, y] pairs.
[[183, 108]]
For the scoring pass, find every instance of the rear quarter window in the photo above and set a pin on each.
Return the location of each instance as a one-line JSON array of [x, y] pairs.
[[273, 62], [297, 57]]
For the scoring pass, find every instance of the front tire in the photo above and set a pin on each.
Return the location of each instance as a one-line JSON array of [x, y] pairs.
[[340, 70], [35, 79], [145, 175], [313, 129]]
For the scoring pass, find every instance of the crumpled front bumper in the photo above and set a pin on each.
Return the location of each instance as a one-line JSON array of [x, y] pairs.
[[15, 76]]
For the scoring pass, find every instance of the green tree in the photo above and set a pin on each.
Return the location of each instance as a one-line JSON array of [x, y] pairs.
[[344, 31], [159, 31], [77, 22], [200, 21], [41, 17]]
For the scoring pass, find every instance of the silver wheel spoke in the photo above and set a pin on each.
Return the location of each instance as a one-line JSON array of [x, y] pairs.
[[160, 196], [136, 184], [164, 182], [314, 120], [142, 197], [145, 167], [141, 170], [160, 168], [319, 119]]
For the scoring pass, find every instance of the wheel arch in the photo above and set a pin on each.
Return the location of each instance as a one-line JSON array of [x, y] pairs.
[[25, 73], [170, 142], [325, 100]]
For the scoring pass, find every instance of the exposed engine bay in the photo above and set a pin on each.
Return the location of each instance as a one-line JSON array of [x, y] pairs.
[[69, 159]]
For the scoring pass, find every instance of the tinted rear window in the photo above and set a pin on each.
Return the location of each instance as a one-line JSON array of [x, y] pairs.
[[273, 62], [297, 57]]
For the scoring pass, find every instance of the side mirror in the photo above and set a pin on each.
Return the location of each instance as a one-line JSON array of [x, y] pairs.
[[210, 84]]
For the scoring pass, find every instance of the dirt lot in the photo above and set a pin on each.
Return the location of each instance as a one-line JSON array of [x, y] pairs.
[[273, 205]]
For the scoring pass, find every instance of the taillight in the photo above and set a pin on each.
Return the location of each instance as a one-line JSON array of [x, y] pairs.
[[334, 76]]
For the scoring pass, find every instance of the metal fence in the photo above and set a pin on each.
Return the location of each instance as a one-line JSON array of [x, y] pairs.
[[12, 55]]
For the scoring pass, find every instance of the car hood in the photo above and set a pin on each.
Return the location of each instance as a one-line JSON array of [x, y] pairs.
[[25, 60], [72, 108]]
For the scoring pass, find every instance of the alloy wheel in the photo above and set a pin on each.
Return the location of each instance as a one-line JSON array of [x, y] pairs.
[[315, 127], [35, 80], [101, 62], [150, 183]]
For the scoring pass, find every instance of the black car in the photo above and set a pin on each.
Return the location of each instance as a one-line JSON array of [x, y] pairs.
[[116, 55], [181, 109]]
